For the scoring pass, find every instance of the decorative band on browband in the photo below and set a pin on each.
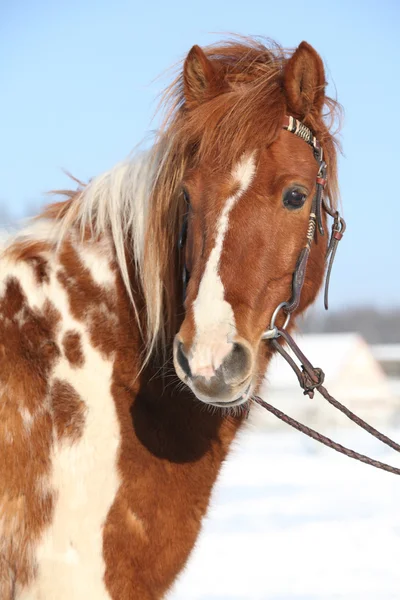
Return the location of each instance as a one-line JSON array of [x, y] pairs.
[[302, 131], [311, 228]]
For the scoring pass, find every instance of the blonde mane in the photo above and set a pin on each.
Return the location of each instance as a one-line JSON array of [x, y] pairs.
[[140, 200]]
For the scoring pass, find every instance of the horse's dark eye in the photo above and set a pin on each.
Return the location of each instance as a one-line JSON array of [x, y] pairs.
[[186, 196], [294, 198]]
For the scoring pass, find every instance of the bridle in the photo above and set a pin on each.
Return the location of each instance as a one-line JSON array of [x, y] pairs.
[[318, 204], [315, 221], [310, 378]]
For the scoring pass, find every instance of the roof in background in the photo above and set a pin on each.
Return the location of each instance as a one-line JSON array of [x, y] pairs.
[[386, 352], [330, 351]]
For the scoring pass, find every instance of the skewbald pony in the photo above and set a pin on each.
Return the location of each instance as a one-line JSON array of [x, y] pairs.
[[228, 99]]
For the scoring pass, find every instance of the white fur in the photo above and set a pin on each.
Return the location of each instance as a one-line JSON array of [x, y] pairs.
[[40, 230], [117, 201], [213, 315], [95, 256]]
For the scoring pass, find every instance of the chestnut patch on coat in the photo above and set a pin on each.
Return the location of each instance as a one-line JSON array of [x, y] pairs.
[[28, 352], [73, 349], [28, 348], [89, 302], [68, 411]]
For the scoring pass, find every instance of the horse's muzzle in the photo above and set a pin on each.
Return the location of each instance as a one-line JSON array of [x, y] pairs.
[[227, 385]]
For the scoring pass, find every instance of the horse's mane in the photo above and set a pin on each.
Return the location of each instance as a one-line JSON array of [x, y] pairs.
[[141, 200]]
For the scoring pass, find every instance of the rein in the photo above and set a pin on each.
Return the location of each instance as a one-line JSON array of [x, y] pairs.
[[309, 377]]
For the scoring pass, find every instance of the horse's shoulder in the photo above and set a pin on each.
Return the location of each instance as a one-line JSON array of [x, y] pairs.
[[28, 353], [28, 320]]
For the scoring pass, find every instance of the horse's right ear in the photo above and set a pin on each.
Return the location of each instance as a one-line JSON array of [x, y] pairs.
[[304, 82], [200, 78]]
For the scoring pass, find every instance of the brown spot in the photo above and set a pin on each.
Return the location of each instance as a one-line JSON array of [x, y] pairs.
[[13, 299], [68, 411], [89, 302], [27, 357], [73, 349], [7, 580], [29, 349], [41, 268]]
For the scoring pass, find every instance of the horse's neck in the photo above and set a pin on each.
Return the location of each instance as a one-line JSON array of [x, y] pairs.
[[171, 450], [146, 455]]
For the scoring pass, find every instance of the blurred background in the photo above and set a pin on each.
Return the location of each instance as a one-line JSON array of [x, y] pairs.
[[80, 83]]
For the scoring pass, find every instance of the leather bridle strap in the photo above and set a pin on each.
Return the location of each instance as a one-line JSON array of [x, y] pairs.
[[315, 220], [309, 377], [323, 439]]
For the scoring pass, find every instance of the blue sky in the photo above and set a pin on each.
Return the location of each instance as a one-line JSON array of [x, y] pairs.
[[79, 89]]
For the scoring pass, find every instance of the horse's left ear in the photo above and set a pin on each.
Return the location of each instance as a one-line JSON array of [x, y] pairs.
[[304, 82], [201, 80]]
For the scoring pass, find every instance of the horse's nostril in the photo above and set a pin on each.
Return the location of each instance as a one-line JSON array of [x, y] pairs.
[[182, 360], [237, 364]]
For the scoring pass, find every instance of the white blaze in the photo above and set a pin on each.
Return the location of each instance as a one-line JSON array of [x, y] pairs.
[[213, 315]]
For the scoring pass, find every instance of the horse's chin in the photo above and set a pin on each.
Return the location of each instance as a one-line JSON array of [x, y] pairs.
[[237, 400]]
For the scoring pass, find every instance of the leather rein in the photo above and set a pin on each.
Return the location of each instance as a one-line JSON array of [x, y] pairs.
[[309, 377]]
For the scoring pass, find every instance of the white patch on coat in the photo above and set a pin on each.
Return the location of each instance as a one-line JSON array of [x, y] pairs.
[[95, 256], [42, 229], [213, 315]]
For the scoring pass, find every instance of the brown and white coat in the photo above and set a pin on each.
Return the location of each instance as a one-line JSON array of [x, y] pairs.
[[106, 468]]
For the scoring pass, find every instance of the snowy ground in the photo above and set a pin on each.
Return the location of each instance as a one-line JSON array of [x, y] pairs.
[[291, 520]]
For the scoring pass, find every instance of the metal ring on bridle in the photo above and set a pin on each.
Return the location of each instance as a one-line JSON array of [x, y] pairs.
[[272, 331]]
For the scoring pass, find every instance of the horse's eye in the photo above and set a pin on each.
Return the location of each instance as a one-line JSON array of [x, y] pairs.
[[186, 196], [294, 198]]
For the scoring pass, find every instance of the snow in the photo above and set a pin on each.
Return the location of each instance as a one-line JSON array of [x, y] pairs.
[[332, 350], [352, 374], [291, 520]]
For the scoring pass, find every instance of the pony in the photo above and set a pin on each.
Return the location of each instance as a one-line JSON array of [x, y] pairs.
[[122, 386]]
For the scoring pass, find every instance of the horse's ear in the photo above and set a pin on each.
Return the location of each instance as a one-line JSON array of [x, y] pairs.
[[304, 82], [200, 77]]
